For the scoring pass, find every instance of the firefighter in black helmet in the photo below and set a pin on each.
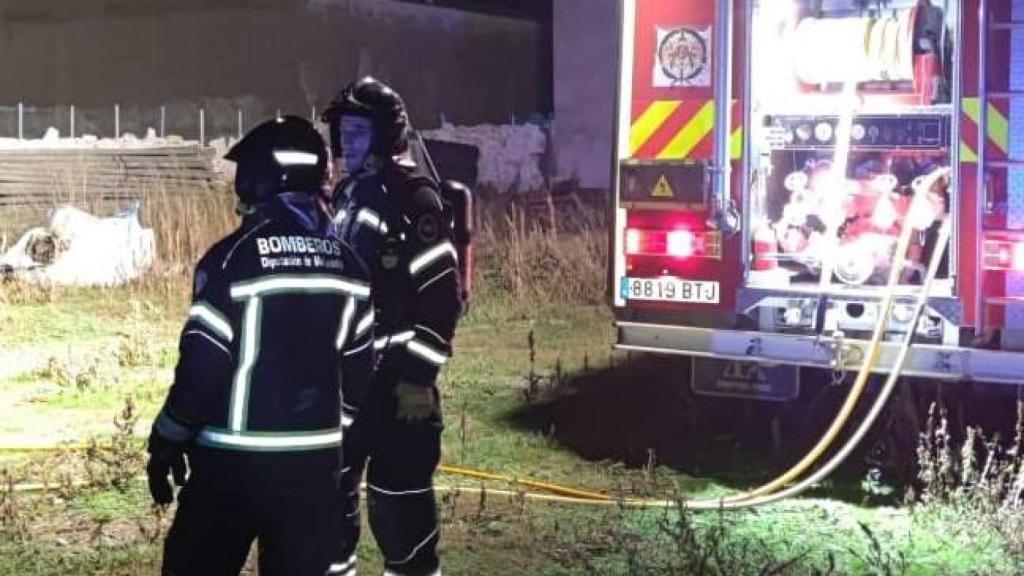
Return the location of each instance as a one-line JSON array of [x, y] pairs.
[[389, 210], [279, 321]]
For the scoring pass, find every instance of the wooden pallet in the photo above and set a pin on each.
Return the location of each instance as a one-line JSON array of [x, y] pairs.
[[51, 176]]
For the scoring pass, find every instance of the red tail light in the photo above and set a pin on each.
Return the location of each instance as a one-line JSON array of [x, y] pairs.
[[1004, 255], [680, 243]]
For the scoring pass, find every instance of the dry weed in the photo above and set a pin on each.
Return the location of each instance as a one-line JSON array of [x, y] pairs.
[[71, 373], [982, 479], [530, 264], [118, 463], [13, 516]]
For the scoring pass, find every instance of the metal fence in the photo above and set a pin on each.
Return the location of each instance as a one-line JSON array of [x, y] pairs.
[[200, 122]]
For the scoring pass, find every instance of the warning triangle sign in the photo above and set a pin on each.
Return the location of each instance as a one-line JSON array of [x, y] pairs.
[[662, 189]]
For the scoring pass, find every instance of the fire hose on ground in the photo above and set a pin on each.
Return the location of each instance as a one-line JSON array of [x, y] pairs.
[[767, 493], [775, 489]]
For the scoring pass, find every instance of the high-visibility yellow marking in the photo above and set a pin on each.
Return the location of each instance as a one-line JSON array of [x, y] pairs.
[[972, 108], [998, 125], [736, 144], [702, 123], [967, 156], [649, 122], [662, 189], [998, 129]]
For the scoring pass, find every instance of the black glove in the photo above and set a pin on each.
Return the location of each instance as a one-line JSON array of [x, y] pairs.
[[416, 403], [165, 457]]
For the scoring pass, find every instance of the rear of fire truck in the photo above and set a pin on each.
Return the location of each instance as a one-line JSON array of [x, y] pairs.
[[768, 157]]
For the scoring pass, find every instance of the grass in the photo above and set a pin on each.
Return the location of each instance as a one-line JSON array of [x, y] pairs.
[[534, 391], [486, 428]]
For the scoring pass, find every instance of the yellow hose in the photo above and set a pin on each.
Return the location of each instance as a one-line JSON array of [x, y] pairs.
[[871, 358], [546, 486], [887, 388], [29, 449], [40, 487], [819, 474], [565, 499], [752, 497], [468, 472]]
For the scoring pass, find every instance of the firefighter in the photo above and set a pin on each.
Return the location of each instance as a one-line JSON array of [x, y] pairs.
[[391, 213], [279, 319]]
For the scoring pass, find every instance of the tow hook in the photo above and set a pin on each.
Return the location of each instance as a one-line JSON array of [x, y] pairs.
[[755, 347], [841, 354]]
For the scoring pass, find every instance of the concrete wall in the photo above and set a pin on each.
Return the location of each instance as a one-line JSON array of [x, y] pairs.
[[585, 52], [259, 55]]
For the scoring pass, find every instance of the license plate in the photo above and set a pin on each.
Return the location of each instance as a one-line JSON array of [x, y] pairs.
[[670, 290], [732, 379]]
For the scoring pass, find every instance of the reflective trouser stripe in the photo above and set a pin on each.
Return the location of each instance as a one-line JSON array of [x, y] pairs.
[[399, 492], [346, 568], [416, 548]]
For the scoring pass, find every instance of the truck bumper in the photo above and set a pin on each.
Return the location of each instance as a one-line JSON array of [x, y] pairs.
[[924, 360]]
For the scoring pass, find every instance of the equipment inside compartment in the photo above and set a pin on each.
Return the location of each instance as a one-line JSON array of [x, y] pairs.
[[887, 47], [868, 219], [850, 114]]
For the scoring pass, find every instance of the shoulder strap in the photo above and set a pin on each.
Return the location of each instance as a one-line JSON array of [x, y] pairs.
[[405, 183]]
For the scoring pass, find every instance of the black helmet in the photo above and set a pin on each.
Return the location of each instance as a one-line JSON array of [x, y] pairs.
[[375, 100], [286, 154]]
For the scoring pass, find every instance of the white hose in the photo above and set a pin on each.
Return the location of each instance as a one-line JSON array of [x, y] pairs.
[[883, 397]]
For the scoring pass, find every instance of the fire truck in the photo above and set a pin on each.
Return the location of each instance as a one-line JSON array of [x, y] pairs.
[[769, 154]]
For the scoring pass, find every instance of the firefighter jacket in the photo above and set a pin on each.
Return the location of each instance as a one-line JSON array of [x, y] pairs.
[[395, 223], [280, 316]]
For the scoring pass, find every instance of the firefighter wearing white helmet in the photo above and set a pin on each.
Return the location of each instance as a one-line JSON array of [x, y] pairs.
[[252, 425], [390, 211]]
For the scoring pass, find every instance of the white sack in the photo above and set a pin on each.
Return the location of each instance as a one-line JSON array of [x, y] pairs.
[[94, 251]]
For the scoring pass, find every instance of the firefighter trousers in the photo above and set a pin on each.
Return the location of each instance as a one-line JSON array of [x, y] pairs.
[[399, 459], [290, 508]]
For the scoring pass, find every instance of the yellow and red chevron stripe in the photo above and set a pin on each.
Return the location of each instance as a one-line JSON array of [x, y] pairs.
[[998, 129], [678, 130]]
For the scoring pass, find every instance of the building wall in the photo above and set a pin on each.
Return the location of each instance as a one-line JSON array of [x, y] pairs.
[[261, 55], [585, 52]]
